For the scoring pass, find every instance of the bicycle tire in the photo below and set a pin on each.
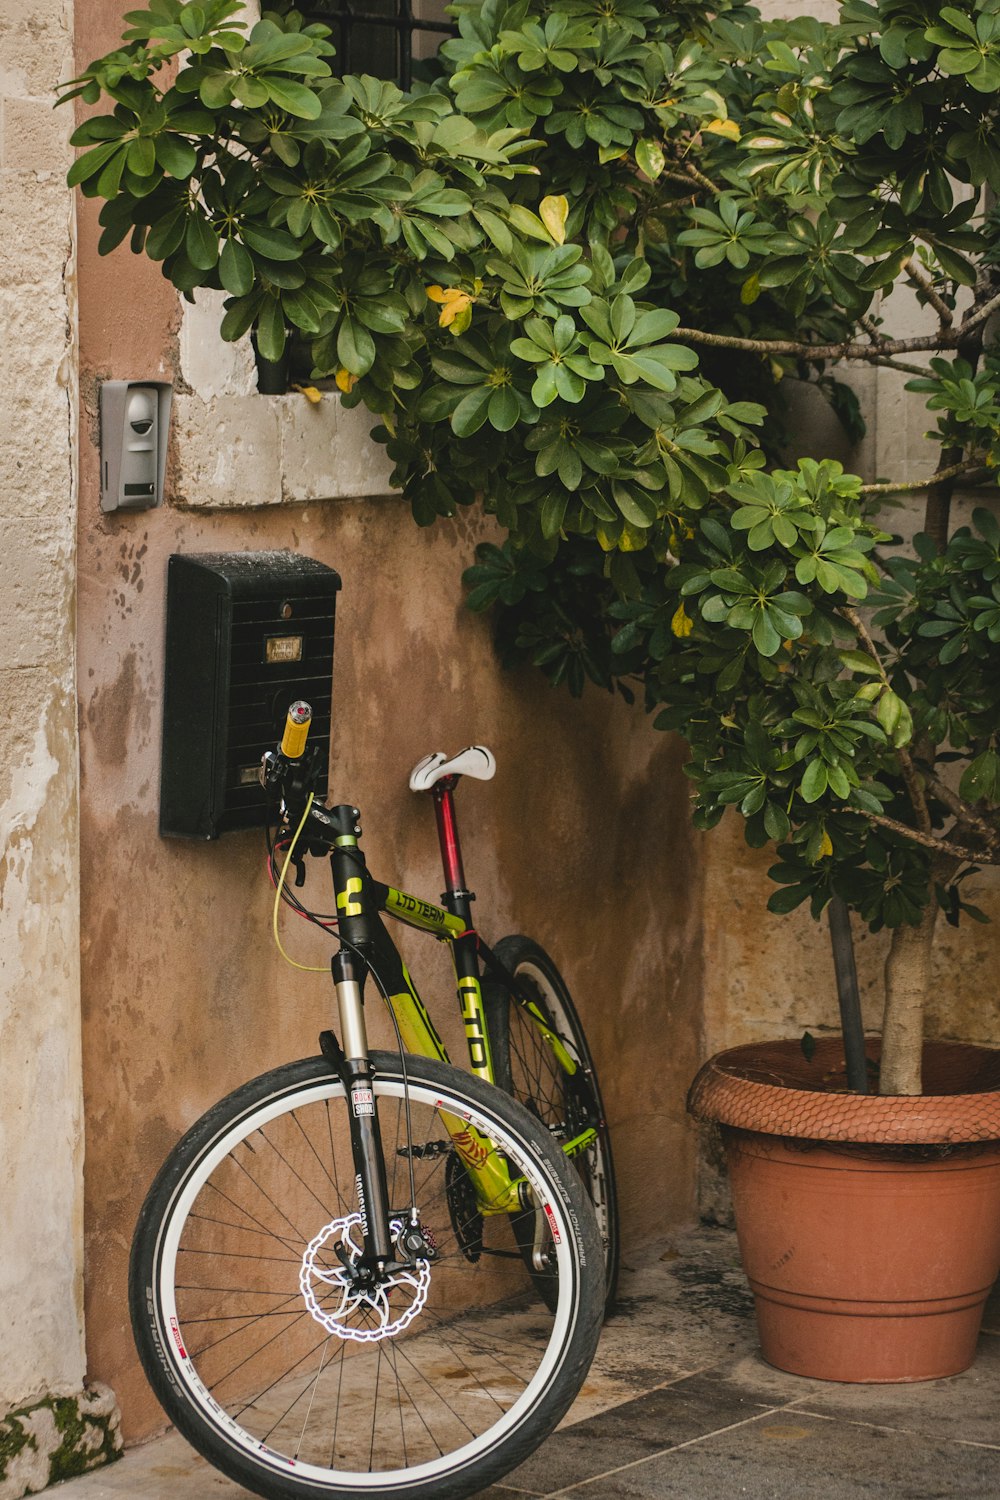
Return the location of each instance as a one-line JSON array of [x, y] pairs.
[[293, 1411], [526, 1066]]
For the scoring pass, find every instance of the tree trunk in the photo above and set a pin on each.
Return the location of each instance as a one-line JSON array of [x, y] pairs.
[[907, 980]]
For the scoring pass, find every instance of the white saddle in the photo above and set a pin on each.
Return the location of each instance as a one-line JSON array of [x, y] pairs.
[[475, 761]]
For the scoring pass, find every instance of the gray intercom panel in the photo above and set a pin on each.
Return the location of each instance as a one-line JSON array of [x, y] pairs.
[[135, 417]]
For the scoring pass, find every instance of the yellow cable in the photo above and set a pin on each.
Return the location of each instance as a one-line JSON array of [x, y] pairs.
[[306, 968]]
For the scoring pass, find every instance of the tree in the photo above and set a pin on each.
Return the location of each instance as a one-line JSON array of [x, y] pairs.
[[573, 272]]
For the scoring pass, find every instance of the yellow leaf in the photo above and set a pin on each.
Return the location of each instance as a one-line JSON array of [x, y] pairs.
[[310, 392], [553, 212], [345, 380], [454, 307], [454, 304], [825, 847], [460, 320], [682, 624], [632, 540], [728, 128], [608, 543]]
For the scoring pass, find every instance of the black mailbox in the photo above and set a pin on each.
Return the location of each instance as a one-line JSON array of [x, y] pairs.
[[247, 634]]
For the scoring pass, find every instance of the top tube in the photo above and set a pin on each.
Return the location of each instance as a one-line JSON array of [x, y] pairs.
[[416, 912]]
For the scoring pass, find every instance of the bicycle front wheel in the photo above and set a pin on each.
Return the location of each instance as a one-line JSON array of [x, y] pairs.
[[237, 1292], [568, 1105]]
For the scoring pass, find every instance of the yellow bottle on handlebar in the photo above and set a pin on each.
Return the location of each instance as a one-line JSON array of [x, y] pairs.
[[293, 741]]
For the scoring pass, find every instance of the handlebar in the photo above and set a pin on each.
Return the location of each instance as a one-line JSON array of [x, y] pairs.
[[293, 740], [290, 770]]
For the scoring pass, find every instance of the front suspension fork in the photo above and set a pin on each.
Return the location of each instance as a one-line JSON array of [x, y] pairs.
[[354, 1066]]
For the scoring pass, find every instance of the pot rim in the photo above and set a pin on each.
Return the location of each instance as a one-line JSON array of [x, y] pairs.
[[963, 1109]]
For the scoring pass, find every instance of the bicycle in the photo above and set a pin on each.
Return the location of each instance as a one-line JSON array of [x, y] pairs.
[[327, 1282]]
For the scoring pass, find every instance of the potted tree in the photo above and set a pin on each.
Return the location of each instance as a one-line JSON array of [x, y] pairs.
[[574, 273]]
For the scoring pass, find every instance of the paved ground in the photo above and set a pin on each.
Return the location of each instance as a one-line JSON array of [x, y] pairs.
[[680, 1405]]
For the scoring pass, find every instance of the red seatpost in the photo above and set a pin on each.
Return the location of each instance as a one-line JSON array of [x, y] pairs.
[[447, 827]]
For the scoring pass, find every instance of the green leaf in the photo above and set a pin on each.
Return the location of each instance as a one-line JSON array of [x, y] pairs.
[[201, 243], [504, 410], [894, 717], [142, 156], [981, 779], [472, 411], [859, 661], [649, 158], [271, 329], [355, 346], [91, 162], [175, 155], [814, 781], [765, 637], [553, 512], [293, 97], [167, 235], [275, 244]]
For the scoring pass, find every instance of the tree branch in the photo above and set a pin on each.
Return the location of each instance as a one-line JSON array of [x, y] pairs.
[[899, 487], [693, 174], [961, 811], [916, 836], [944, 339], [872, 329], [887, 363], [922, 282], [979, 315]]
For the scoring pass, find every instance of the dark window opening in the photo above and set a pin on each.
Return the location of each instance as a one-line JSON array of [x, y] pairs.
[[381, 37]]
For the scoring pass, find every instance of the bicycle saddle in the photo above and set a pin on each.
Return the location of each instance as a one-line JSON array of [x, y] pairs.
[[475, 761]]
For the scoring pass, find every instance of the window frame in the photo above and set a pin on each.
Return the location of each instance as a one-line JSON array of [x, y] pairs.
[[342, 15]]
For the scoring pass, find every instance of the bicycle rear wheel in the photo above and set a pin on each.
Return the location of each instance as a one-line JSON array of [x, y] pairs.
[[237, 1301], [568, 1106]]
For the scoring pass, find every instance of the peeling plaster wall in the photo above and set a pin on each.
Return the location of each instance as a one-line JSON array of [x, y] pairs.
[[41, 1142]]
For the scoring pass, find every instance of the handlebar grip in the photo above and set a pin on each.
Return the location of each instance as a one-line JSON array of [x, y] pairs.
[[293, 741]]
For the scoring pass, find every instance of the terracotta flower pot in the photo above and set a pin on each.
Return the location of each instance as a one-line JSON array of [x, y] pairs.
[[869, 1227]]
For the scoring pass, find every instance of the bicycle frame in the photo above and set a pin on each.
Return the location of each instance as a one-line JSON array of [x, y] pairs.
[[360, 903], [452, 923]]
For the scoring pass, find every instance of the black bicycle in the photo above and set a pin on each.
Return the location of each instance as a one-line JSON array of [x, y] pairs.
[[371, 1274]]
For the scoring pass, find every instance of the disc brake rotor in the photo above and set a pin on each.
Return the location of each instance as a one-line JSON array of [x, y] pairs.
[[345, 1305]]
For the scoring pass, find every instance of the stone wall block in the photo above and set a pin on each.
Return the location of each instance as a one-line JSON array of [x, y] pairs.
[[327, 452], [28, 259], [36, 138], [35, 584], [41, 1125], [36, 476], [36, 52], [227, 453]]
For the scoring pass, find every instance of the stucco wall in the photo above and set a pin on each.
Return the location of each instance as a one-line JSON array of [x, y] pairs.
[[41, 1146], [184, 996], [582, 838]]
